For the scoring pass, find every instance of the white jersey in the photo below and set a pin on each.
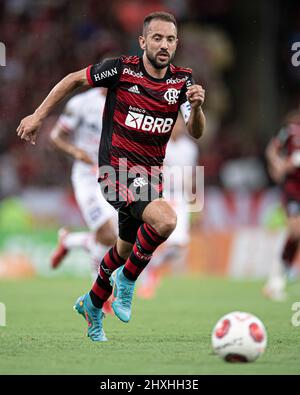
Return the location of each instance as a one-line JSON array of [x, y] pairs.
[[82, 118], [179, 153]]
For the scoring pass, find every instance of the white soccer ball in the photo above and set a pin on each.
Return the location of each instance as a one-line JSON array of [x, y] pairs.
[[239, 337]]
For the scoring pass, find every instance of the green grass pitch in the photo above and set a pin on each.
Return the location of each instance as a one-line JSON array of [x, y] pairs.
[[167, 335]]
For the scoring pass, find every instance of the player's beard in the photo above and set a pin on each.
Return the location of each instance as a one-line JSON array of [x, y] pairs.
[[153, 59]]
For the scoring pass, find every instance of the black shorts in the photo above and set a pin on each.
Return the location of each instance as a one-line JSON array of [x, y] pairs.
[[130, 200]]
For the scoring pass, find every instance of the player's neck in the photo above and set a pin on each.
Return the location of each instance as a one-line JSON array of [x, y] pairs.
[[152, 71]]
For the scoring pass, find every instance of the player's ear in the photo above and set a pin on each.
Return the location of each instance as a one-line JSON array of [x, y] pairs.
[[142, 42]]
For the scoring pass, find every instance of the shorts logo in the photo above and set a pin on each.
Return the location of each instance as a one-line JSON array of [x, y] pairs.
[[171, 95], [94, 213], [148, 123], [139, 182]]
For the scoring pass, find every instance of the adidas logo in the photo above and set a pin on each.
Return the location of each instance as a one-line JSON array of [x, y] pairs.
[[134, 89]]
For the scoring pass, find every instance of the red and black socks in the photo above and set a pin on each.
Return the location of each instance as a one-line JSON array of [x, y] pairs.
[[102, 289], [146, 243]]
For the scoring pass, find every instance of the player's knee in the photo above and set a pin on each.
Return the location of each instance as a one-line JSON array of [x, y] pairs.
[[296, 234], [106, 236], [167, 225], [294, 228]]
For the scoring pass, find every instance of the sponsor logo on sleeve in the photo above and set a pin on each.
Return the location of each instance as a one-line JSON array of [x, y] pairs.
[[105, 74]]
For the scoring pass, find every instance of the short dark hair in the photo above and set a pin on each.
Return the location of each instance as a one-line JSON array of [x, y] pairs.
[[161, 15]]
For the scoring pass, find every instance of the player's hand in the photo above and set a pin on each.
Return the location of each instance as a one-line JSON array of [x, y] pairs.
[[195, 95], [80, 154], [28, 128], [280, 168]]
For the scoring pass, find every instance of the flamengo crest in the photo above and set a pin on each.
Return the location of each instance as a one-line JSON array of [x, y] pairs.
[[171, 95]]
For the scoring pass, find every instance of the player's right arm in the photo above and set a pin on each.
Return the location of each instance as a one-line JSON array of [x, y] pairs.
[[104, 74], [66, 125], [278, 165], [60, 139], [29, 125]]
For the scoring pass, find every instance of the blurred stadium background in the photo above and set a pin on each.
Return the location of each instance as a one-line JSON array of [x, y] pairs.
[[241, 53]]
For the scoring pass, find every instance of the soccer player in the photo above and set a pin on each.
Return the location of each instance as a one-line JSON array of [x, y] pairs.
[[77, 133], [144, 97], [283, 156], [181, 152]]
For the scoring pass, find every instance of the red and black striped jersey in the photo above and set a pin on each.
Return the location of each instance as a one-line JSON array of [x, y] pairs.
[[140, 110], [289, 138]]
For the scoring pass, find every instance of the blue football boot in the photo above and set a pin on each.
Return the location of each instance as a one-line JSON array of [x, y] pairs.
[[93, 316], [123, 294]]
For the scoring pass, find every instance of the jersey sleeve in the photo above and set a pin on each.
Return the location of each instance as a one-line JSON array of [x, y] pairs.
[[70, 117], [105, 74], [185, 106]]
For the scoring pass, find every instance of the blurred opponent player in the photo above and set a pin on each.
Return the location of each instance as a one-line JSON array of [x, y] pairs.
[[144, 97], [283, 156], [77, 133], [181, 151]]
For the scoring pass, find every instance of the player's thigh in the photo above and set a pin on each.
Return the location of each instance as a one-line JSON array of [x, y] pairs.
[[95, 210], [106, 234]]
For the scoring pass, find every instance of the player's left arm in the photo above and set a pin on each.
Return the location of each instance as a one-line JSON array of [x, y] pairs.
[[191, 100], [196, 121]]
